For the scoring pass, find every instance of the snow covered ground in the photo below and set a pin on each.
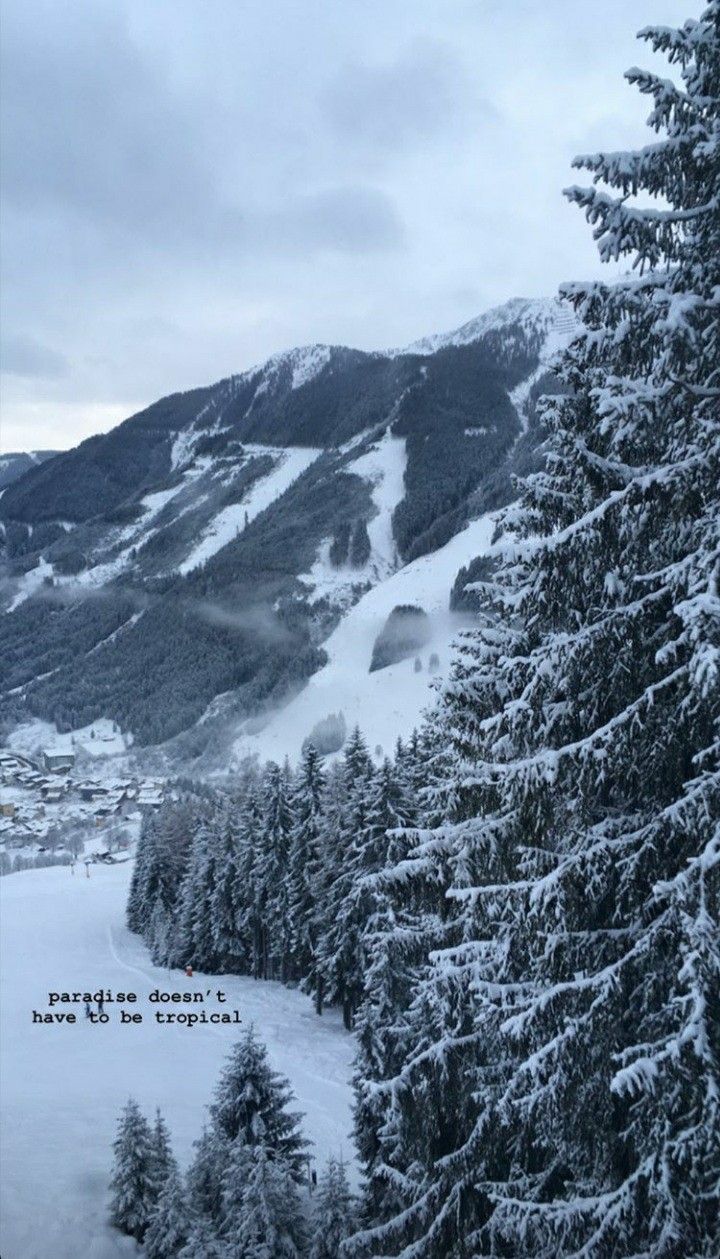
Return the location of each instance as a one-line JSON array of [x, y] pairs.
[[231, 520], [389, 702], [383, 466], [63, 1086], [101, 739]]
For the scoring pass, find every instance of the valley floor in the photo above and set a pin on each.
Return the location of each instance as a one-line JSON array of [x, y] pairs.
[[63, 1086]]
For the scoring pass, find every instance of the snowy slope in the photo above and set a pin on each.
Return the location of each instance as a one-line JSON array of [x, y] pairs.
[[131, 536], [548, 316], [383, 467], [232, 520], [63, 1086], [304, 362], [389, 702]]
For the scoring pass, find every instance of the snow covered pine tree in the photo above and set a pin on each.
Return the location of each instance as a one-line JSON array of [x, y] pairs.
[[561, 1093], [334, 1213], [134, 1179], [304, 862], [163, 1159], [251, 1100], [169, 1222], [269, 1223]]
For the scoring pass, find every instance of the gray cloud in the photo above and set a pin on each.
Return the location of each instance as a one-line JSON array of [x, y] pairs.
[[91, 127], [24, 356], [187, 188], [425, 90], [347, 220], [96, 137]]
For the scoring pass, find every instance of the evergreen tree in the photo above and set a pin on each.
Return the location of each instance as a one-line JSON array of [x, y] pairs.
[[205, 1175], [305, 862], [164, 1164], [138, 909], [271, 948], [384, 1032], [334, 801], [204, 1243], [247, 876], [270, 1222], [356, 759], [226, 913], [560, 1086], [169, 1223], [380, 837], [160, 865], [340, 545], [334, 1216], [251, 1101], [331, 976], [133, 1184], [195, 932], [359, 553], [234, 1185]]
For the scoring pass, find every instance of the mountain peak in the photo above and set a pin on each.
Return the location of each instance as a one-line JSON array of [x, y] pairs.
[[303, 361], [544, 314]]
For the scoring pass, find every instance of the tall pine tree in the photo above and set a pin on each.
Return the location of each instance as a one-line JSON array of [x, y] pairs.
[[133, 1184], [560, 1093], [169, 1223], [269, 1223], [251, 1101], [305, 862], [271, 948], [334, 1215]]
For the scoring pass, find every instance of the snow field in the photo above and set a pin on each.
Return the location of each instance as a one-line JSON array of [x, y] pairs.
[[30, 583], [63, 1086], [99, 739], [231, 520], [384, 467], [391, 701]]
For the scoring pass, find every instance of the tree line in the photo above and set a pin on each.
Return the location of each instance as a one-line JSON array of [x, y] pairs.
[[275, 879]]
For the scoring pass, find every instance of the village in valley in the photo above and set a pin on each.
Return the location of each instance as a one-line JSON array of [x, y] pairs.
[[72, 798]]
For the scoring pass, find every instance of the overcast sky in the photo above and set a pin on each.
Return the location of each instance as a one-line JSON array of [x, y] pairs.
[[190, 186]]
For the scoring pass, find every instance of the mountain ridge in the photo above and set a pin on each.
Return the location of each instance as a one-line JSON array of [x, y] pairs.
[[16, 462], [208, 545]]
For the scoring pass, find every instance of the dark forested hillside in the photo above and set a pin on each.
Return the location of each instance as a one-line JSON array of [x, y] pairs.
[[16, 464], [103, 471]]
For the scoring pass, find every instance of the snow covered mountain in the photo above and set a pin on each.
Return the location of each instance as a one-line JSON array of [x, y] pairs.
[[188, 572], [519, 317]]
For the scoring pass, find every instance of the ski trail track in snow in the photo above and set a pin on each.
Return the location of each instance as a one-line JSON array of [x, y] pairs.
[[64, 1086]]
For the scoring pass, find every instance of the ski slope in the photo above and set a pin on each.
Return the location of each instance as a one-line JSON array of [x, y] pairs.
[[63, 1086], [391, 701], [289, 465], [383, 467]]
